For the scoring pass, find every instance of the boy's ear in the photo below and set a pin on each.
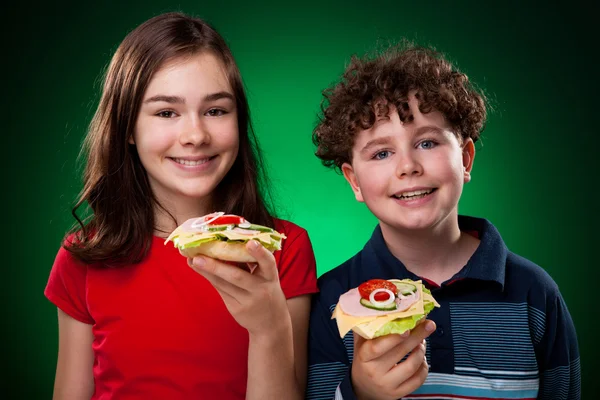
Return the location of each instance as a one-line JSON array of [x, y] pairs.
[[468, 155], [348, 172]]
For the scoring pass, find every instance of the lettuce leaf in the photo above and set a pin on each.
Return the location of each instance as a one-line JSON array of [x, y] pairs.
[[402, 325], [196, 243]]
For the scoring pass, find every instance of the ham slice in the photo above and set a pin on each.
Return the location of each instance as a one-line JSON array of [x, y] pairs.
[[198, 225], [350, 304], [193, 225]]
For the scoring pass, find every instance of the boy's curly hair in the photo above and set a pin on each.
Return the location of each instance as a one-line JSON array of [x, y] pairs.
[[369, 84]]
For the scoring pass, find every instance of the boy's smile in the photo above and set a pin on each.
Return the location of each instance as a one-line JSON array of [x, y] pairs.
[[414, 197], [410, 174]]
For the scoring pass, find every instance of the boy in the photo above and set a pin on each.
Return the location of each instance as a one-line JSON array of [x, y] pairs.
[[401, 128]]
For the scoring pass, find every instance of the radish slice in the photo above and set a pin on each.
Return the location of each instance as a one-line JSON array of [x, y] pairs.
[[202, 221], [390, 299]]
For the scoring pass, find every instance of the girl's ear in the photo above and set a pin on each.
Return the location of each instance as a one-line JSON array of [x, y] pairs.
[[350, 176], [131, 140], [468, 155]]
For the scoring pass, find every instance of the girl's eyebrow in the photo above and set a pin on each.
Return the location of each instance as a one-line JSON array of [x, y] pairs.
[[181, 100], [218, 96], [166, 99]]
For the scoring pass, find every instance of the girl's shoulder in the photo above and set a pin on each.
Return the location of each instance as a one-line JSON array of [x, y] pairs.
[[288, 228], [296, 260]]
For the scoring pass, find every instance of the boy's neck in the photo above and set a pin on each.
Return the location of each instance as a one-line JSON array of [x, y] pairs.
[[436, 254]]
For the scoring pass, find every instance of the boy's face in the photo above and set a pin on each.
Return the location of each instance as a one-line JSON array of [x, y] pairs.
[[410, 175]]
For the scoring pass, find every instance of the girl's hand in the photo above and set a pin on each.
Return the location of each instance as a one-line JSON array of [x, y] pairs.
[[255, 299]]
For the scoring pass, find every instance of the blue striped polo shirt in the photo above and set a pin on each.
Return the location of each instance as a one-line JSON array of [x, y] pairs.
[[503, 329]]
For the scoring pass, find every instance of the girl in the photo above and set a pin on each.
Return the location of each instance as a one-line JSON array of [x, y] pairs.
[[171, 140]]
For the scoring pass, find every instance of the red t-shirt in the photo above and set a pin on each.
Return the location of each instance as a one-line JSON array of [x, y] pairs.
[[161, 331]]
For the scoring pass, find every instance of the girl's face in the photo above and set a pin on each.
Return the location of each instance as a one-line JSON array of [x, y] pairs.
[[186, 133]]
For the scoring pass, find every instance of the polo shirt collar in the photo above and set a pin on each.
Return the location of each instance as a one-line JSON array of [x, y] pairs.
[[487, 263]]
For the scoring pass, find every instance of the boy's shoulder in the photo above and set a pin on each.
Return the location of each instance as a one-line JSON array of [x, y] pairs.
[[524, 275], [493, 259]]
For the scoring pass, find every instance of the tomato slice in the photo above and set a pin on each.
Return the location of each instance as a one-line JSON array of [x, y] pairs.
[[367, 287], [228, 219]]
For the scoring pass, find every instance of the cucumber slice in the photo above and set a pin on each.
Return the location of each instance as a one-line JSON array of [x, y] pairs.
[[217, 228], [260, 228], [368, 304], [404, 287]]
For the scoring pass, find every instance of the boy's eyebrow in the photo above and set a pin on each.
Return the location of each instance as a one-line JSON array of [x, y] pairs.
[[375, 142], [181, 100], [429, 129]]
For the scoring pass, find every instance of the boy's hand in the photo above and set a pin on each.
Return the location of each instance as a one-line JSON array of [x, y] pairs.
[[376, 373]]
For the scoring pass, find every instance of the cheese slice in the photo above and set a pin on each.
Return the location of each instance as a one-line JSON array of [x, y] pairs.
[[371, 324], [184, 239], [428, 297]]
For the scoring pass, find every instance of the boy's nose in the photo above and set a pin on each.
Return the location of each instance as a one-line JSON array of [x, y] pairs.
[[408, 166]]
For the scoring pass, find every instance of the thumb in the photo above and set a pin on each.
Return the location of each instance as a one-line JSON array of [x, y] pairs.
[[358, 342], [267, 267]]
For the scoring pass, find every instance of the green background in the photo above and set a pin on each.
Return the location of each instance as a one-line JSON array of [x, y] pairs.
[[535, 171]]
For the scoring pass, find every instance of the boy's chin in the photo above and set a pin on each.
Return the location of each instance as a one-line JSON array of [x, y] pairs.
[[411, 224]]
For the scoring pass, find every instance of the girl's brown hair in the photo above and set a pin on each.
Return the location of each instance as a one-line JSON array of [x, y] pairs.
[[120, 227], [370, 85]]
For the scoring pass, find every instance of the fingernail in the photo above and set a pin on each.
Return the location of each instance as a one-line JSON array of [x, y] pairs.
[[405, 333], [429, 326], [253, 245], [199, 261]]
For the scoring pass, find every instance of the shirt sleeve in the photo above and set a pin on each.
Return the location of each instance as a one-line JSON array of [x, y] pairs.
[[66, 287], [296, 263], [558, 354], [328, 360]]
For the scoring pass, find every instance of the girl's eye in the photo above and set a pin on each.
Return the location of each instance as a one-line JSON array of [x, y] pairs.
[[380, 155], [166, 114], [215, 112], [427, 144]]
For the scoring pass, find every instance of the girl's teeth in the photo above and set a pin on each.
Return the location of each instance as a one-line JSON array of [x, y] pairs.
[[190, 163]]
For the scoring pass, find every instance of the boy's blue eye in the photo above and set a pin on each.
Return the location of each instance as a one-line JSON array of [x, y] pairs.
[[427, 144], [381, 155]]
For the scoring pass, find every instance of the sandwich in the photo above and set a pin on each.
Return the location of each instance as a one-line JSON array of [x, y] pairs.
[[223, 237], [381, 307]]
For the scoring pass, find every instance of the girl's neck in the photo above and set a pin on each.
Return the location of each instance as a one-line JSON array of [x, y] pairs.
[[181, 209], [436, 254]]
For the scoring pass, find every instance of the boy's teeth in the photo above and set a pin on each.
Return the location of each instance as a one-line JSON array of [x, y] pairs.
[[414, 193], [190, 163]]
